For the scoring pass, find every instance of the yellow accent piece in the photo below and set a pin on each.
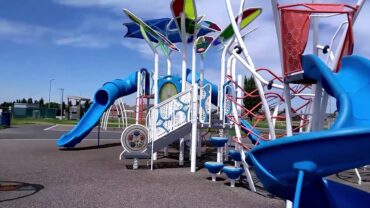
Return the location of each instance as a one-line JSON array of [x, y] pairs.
[[250, 18], [190, 10]]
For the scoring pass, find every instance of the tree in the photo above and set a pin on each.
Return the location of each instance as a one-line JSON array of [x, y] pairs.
[[64, 106], [6, 104], [41, 102], [24, 100], [87, 105], [29, 100], [54, 105], [251, 102]]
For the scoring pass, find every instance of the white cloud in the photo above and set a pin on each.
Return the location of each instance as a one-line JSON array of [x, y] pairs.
[[21, 32], [81, 41], [92, 32], [145, 9], [139, 46]]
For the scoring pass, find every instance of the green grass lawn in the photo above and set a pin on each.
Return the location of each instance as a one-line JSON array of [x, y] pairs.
[[29, 121], [25, 121]]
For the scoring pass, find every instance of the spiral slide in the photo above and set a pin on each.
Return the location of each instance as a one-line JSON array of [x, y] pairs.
[[104, 97], [294, 167]]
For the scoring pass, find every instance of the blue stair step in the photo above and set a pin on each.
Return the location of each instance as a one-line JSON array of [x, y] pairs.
[[218, 141], [213, 168], [235, 155], [232, 173]]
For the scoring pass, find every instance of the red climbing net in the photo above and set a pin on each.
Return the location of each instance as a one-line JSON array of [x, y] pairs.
[[273, 98], [295, 26]]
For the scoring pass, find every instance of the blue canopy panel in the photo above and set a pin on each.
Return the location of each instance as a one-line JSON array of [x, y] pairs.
[[160, 25]]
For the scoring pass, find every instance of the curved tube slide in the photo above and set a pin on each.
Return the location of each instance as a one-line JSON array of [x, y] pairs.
[[320, 154], [104, 97]]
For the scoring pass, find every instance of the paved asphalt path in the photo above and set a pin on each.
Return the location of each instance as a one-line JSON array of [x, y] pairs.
[[54, 132], [35, 173]]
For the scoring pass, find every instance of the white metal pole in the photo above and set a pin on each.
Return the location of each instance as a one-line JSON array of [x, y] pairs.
[[194, 132], [168, 65], [183, 51], [61, 103], [233, 69], [240, 93], [183, 78], [275, 10], [50, 82], [228, 65], [138, 94], [222, 80], [316, 110], [156, 96]]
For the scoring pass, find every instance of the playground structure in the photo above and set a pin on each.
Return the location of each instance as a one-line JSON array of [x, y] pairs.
[[292, 164], [117, 112], [74, 111]]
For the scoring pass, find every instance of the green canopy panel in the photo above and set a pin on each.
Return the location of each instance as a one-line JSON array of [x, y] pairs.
[[161, 38], [203, 43], [248, 16]]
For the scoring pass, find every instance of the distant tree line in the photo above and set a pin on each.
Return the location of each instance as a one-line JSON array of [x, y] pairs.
[[41, 103]]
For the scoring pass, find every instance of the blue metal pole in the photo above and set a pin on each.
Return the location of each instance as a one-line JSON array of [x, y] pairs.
[[298, 189]]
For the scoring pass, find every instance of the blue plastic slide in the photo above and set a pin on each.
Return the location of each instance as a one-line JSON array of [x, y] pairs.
[[294, 167], [103, 98], [254, 136]]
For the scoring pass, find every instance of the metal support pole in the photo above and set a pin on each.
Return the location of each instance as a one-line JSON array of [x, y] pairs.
[[194, 106], [298, 189], [168, 65], [99, 134], [183, 77], [181, 153], [156, 96], [138, 94], [50, 82], [223, 73], [61, 104]]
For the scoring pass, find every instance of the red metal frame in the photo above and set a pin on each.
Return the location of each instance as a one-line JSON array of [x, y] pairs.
[[142, 107], [295, 23]]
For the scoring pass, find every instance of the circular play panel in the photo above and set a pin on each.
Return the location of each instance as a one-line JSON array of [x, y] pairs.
[[135, 138]]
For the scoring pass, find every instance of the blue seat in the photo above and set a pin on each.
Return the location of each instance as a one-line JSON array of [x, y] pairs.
[[213, 168], [218, 141]]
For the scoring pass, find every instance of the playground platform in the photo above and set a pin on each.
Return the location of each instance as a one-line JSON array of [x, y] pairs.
[[88, 176]]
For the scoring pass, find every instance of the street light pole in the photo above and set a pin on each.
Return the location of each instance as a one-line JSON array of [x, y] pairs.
[[61, 104], [50, 82]]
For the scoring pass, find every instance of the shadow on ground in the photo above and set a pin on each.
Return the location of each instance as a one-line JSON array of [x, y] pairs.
[[13, 190], [102, 146]]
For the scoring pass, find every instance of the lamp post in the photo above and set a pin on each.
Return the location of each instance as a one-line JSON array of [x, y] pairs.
[[61, 103], [50, 82]]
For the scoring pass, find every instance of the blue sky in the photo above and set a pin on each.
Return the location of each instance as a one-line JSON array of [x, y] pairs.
[[80, 44]]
